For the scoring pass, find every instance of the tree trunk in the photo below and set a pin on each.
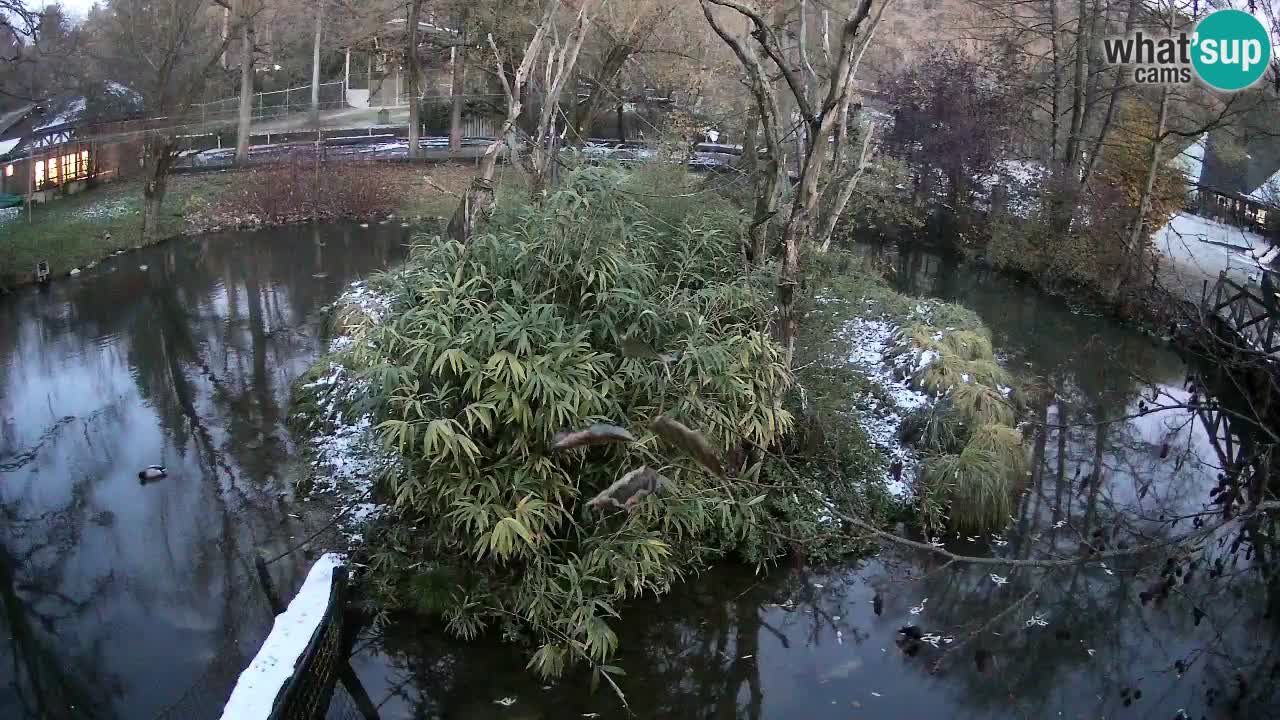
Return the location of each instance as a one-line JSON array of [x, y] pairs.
[[457, 93], [475, 206], [584, 115], [845, 187], [1133, 248], [159, 159], [1078, 82], [245, 121], [479, 199], [415, 108], [315, 66], [622, 122], [750, 139], [789, 280]]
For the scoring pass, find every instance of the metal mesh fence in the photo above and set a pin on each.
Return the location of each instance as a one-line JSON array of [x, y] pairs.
[[308, 693], [275, 103], [344, 706]]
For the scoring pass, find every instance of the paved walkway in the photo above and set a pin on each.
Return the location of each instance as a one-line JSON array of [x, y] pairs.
[[341, 119], [1196, 250]]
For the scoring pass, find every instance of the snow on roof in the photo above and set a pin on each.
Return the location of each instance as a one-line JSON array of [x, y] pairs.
[[1191, 160], [123, 91], [69, 115], [256, 690], [1267, 192], [7, 145]]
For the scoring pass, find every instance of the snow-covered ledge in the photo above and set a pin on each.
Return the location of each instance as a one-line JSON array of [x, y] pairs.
[[255, 692]]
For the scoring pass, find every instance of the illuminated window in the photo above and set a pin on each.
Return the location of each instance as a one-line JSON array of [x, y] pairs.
[[51, 171], [39, 174], [8, 171], [84, 163], [68, 171]]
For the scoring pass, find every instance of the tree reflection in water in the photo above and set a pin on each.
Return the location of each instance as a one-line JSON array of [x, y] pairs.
[[124, 600]]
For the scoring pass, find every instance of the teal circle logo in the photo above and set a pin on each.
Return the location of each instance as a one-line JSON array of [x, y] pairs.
[[1231, 50]]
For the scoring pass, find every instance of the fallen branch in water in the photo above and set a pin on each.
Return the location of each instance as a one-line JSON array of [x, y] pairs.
[[1053, 563]]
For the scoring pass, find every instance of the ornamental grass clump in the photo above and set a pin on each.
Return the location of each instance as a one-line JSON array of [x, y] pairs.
[[974, 459], [980, 482]]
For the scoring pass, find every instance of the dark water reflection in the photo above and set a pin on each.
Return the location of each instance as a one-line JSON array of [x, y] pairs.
[[798, 643], [121, 600]]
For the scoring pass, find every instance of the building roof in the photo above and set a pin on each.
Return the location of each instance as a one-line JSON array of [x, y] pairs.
[[1243, 177], [9, 119]]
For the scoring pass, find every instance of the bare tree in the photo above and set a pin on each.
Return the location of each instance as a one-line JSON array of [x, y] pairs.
[[244, 120], [37, 52], [477, 203], [315, 65], [19, 28], [544, 146], [413, 65], [823, 106], [168, 52], [617, 46], [457, 83]]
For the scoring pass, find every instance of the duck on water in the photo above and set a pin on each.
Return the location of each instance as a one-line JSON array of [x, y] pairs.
[[152, 472]]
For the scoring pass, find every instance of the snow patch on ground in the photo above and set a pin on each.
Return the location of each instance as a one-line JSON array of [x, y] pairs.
[[374, 304], [8, 214], [347, 455], [256, 689], [872, 341], [1023, 171], [106, 209]]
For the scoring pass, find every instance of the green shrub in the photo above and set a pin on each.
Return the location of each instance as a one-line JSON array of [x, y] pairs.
[[493, 348]]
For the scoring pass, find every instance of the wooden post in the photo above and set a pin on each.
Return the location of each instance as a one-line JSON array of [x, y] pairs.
[[31, 181]]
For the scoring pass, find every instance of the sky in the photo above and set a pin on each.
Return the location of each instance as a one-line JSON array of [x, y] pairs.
[[74, 8]]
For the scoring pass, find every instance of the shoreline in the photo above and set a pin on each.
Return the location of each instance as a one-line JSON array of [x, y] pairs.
[[76, 233]]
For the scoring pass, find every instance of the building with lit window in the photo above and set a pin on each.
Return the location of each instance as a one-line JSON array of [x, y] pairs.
[[44, 157]]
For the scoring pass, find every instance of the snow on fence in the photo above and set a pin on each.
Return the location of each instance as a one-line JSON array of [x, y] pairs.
[[294, 672]]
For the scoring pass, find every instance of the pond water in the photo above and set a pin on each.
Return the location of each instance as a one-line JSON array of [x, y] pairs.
[[1023, 642], [125, 600]]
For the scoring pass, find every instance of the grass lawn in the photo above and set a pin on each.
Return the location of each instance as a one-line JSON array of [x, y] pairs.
[[74, 231]]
